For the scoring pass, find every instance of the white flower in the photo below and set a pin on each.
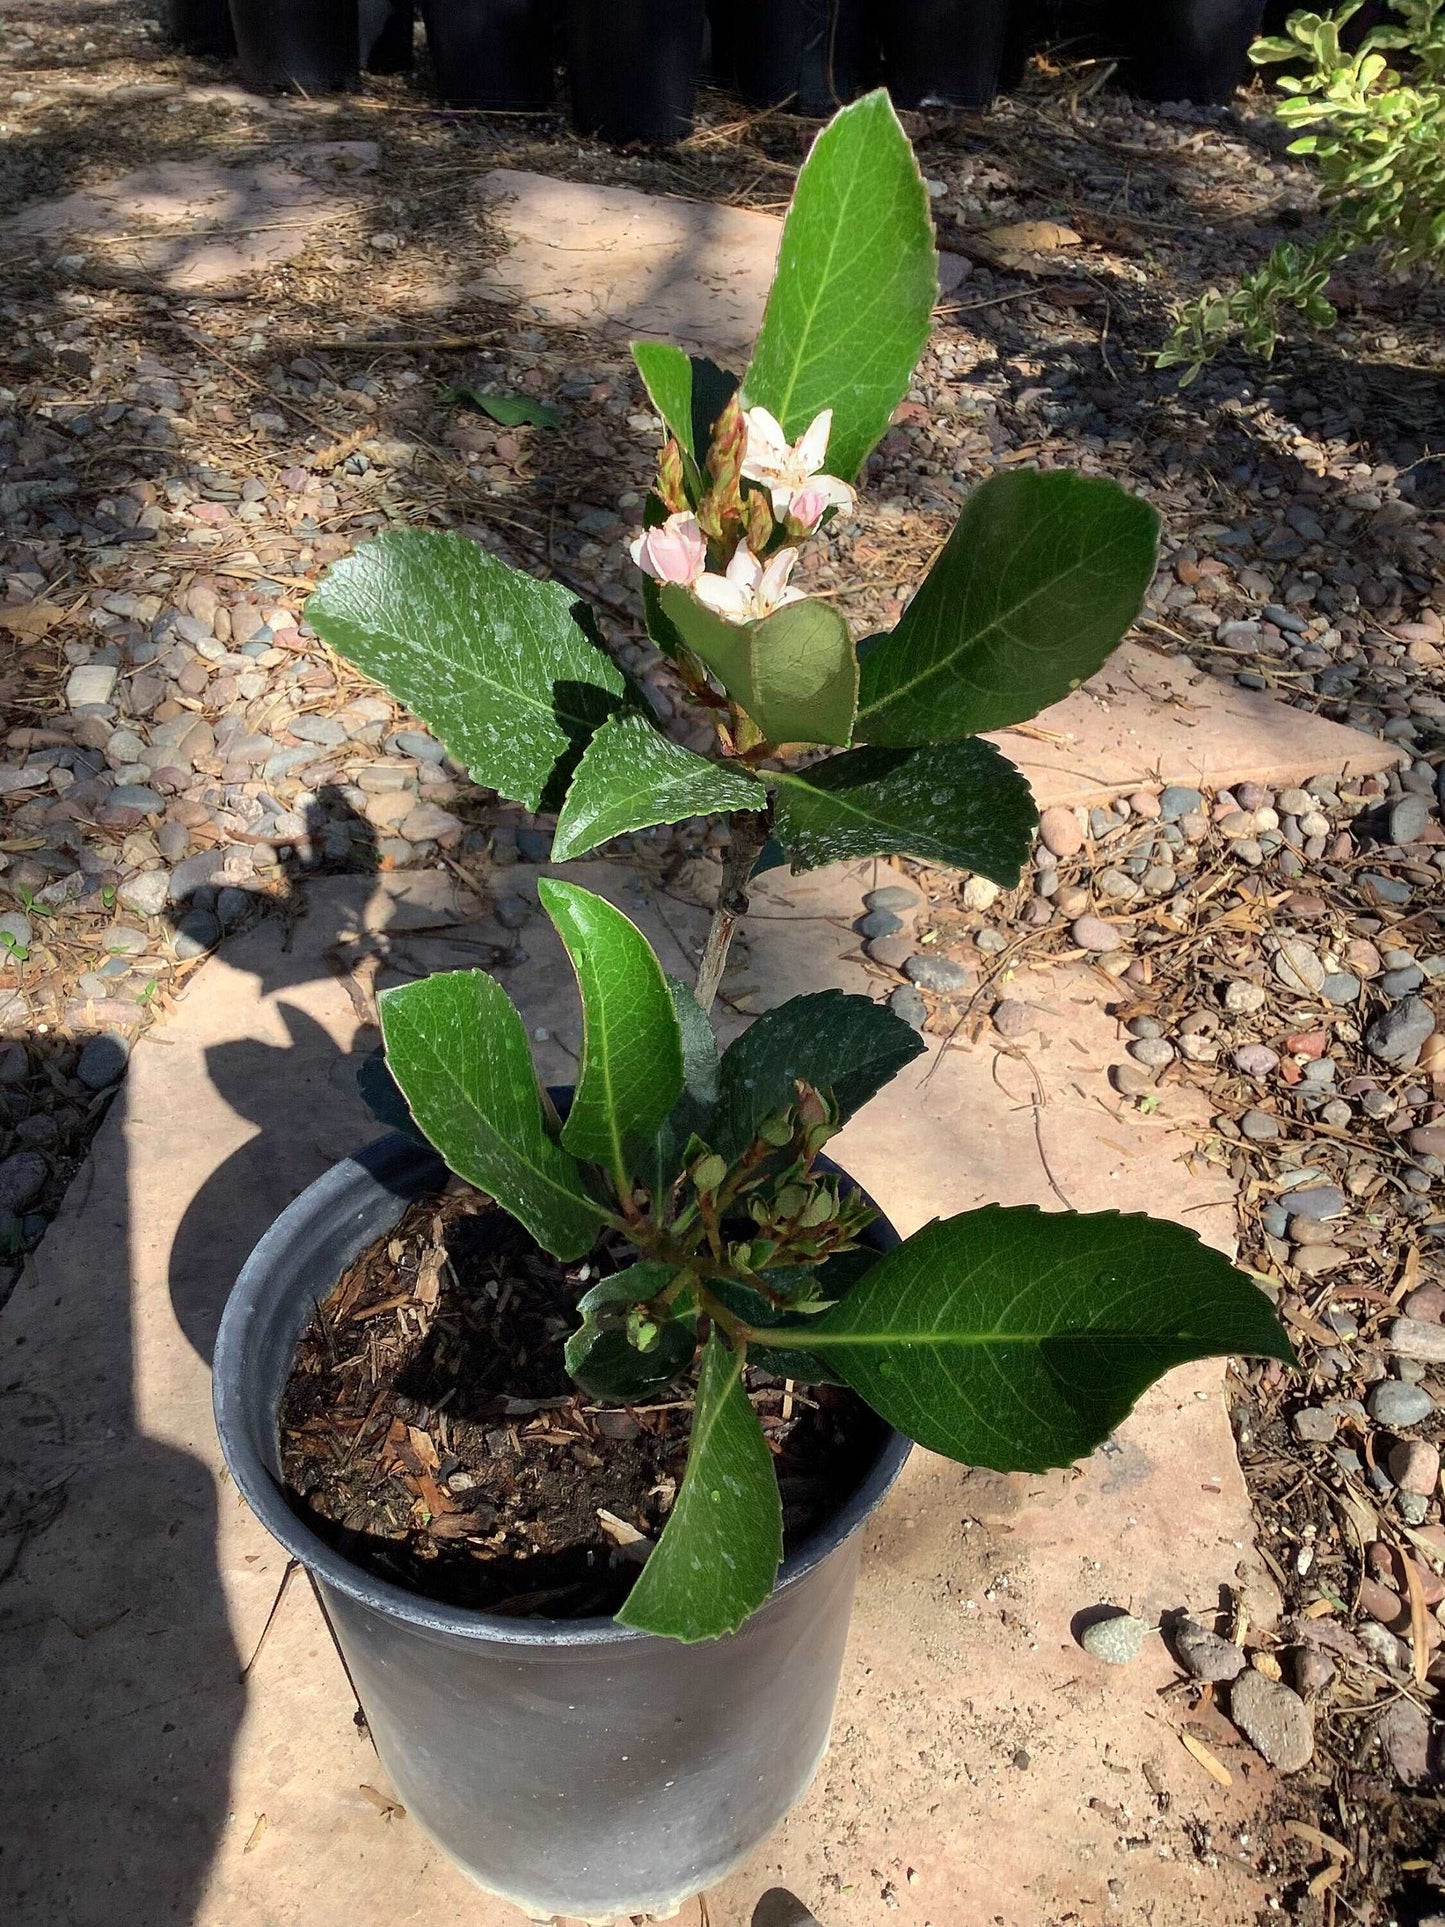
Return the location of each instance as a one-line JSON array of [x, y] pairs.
[[790, 470], [675, 551], [749, 590]]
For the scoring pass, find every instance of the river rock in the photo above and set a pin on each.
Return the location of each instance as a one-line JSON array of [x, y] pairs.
[[1092, 933], [1274, 1719], [1396, 1034], [1298, 967], [941, 975], [1205, 1654], [1116, 1641]]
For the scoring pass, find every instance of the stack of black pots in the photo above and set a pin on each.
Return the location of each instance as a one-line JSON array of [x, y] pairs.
[[634, 65]]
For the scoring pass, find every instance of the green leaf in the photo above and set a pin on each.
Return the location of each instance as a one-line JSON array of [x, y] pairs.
[[689, 1115], [457, 1049], [511, 411], [836, 1042], [688, 391], [857, 277], [497, 663], [1018, 1339], [1039, 581], [632, 776], [631, 1070], [960, 804], [795, 672], [601, 1355], [721, 1548]]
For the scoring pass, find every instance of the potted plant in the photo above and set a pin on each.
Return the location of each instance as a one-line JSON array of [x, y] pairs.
[[491, 53], [945, 53], [633, 67], [679, 1251]]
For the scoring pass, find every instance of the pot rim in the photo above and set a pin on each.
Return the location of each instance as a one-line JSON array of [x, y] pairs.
[[388, 1158]]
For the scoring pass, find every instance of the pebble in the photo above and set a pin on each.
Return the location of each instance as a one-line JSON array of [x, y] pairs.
[[1256, 1060], [941, 975], [533, 846], [1408, 819], [878, 923], [1393, 1402], [1204, 1654], [1260, 1128], [892, 896], [1091, 933], [1340, 987], [1154, 1052], [103, 1061], [1132, 1080], [1414, 1465], [1413, 1338], [1396, 1034], [891, 952], [1425, 1303], [906, 1003], [1298, 967], [1317, 1201], [1403, 1730], [93, 683], [147, 894], [1013, 1019], [980, 893], [1116, 1640], [1242, 998], [195, 933], [1274, 1719], [1177, 801], [22, 1177], [1313, 1425], [1312, 1261]]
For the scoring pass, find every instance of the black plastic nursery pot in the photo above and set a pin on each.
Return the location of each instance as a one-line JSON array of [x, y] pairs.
[[944, 53], [572, 1766], [314, 46], [202, 27], [387, 35], [816, 54], [1196, 50], [491, 53], [633, 66]]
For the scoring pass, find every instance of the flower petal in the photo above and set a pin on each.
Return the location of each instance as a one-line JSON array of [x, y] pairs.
[[745, 570], [767, 446], [726, 599], [813, 445]]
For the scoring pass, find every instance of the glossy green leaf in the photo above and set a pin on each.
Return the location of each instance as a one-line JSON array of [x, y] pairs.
[[688, 391], [1018, 1339], [509, 411], [602, 1355], [795, 672], [1036, 586], [723, 1543], [831, 1040], [857, 277], [631, 1069], [959, 804], [457, 1049], [690, 1114], [497, 663], [632, 776]]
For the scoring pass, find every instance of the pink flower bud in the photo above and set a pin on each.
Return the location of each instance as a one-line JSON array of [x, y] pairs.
[[674, 552]]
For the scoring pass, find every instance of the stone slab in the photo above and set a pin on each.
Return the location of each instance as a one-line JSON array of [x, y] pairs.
[[204, 224], [583, 256], [983, 1768], [1149, 718]]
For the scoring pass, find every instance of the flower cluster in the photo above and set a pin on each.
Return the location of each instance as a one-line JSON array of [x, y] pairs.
[[757, 530]]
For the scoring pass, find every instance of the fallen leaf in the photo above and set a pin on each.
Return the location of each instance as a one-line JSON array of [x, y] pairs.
[[1215, 1768], [384, 1804], [630, 1542], [511, 411], [30, 620], [1020, 239], [1302, 1830], [255, 1833], [1326, 1877]]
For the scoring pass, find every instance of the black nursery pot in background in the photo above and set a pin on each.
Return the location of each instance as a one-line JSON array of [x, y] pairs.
[[817, 54], [314, 45], [388, 35], [944, 53], [202, 27], [1189, 49], [634, 67], [491, 53]]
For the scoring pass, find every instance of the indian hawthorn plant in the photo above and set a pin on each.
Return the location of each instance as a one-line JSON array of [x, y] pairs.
[[1009, 1338]]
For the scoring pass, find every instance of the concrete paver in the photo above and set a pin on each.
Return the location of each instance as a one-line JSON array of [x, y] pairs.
[[975, 1744]]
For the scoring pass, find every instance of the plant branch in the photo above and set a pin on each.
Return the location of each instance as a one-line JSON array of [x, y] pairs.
[[750, 832]]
